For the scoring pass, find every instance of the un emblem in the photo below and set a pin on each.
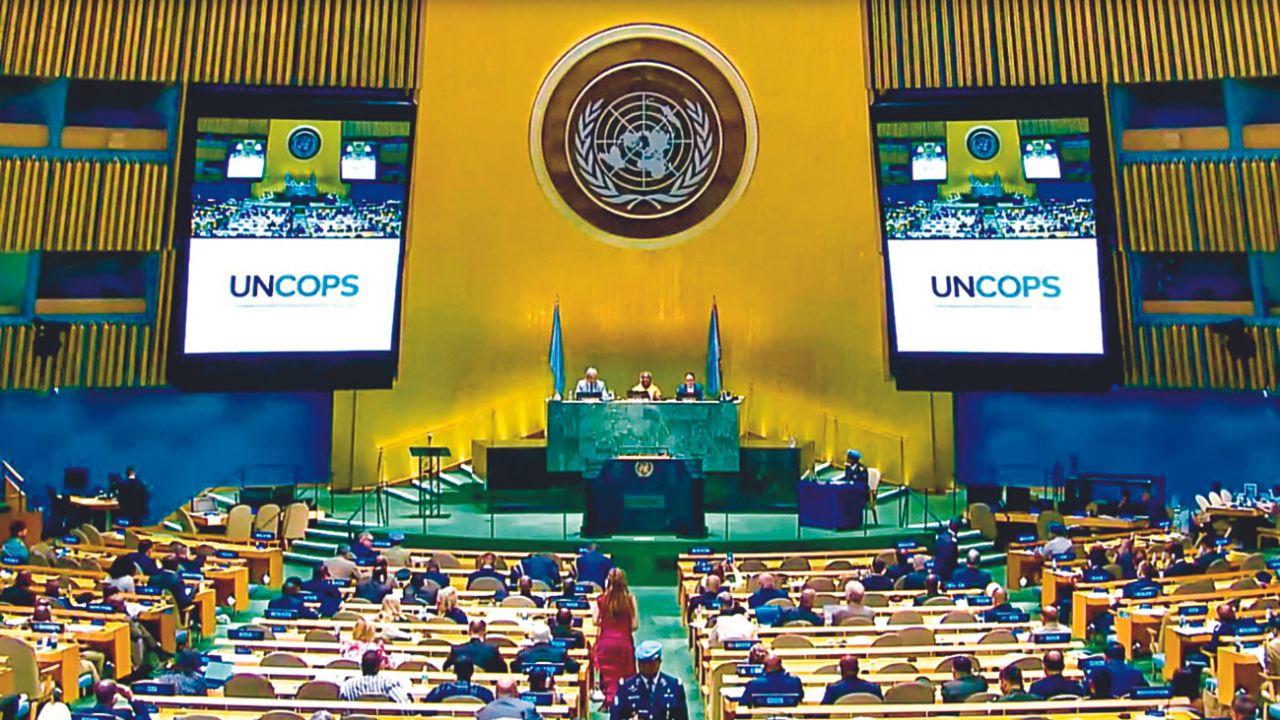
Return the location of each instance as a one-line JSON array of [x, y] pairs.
[[304, 142], [644, 468], [644, 135], [983, 143]]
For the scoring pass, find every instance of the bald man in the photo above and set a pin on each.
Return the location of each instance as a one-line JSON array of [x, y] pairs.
[[776, 682], [768, 591], [1053, 684], [1049, 621], [507, 704], [803, 610]]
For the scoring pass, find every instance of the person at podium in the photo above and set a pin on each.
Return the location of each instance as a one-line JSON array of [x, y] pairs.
[[855, 473], [690, 389], [590, 387], [645, 389]]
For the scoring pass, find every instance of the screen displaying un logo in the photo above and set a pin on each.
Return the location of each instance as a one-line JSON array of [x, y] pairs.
[[304, 142], [983, 143], [644, 135]]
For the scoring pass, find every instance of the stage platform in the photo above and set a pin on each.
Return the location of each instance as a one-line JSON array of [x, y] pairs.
[[472, 522]]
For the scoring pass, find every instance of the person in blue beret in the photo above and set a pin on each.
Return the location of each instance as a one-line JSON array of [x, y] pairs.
[[650, 693]]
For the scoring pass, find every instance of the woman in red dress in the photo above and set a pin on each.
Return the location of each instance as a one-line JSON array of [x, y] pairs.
[[616, 619]]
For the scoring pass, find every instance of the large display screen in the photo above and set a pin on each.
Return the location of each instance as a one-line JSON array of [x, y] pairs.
[[287, 257], [992, 240]]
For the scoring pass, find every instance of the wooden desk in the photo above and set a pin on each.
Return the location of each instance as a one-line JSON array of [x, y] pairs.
[[103, 506], [1085, 604], [1238, 671], [264, 560], [1083, 709], [1099, 522], [182, 705]]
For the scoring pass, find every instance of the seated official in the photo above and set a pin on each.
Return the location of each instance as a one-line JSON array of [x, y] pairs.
[[169, 579], [803, 611], [525, 590], [364, 550], [477, 651], [1208, 555], [20, 592], [775, 681], [541, 651], [290, 599], [707, 595], [1146, 581], [1000, 601], [849, 683], [1127, 559], [932, 589], [767, 591], [900, 567], [185, 675], [418, 592], [326, 592], [1011, 688], [371, 681], [1053, 683], [1124, 677], [53, 593], [447, 606], [562, 629], [858, 478], [1178, 565], [507, 704], [1049, 621], [378, 585], [431, 571], [646, 388], [1058, 543], [732, 623], [915, 579], [690, 389], [186, 561], [854, 605], [486, 568], [342, 566], [16, 546], [592, 566], [963, 682], [1153, 509], [972, 576], [538, 567], [1096, 566], [114, 700], [878, 579], [1127, 506], [462, 686], [141, 557], [1229, 626], [590, 387]]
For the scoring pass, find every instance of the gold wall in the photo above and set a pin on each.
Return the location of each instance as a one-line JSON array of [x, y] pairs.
[[795, 265]]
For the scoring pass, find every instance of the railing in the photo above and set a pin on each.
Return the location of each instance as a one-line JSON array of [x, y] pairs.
[[916, 504]]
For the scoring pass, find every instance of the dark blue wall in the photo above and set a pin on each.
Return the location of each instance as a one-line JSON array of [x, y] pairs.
[[1192, 438], [180, 442]]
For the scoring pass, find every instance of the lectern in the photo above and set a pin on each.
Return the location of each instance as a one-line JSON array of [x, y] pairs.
[[430, 492], [645, 495]]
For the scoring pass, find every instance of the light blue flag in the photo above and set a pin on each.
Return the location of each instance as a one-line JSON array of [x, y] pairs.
[[714, 378], [556, 355]]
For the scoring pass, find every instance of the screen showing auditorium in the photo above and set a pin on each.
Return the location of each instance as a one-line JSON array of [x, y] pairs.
[[991, 236], [296, 233]]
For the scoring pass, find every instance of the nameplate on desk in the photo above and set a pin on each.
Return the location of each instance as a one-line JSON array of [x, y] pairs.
[[537, 698], [928, 565], [1092, 663], [10, 560], [1028, 538], [382, 544], [700, 550], [1006, 616], [279, 628], [1164, 525], [192, 576], [246, 633], [777, 699], [738, 644], [123, 523], [1051, 637], [97, 622], [1221, 541], [71, 539], [582, 588], [309, 597], [546, 668], [1146, 593], [339, 582], [226, 554], [242, 650], [562, 643], [263, 535], [1154, 692], [1097, 576], [1193, 610], [750, 669], [150, 687], [1064, 556], [365, 561], [403, 574], [572, 603], [905, 545], [99, 607], [148, 590], [47, 627], [702, 566], [1249, 630], [281, 614], [1274, 563], [954, 585], [978, 600]]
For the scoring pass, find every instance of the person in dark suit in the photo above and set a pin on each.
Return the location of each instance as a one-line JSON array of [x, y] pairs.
[[849, 683], [1053, 684], [563, 629], [1124, 677], [972, 575], [1154, 509], [1209, 554], [290, 599], [775, 681], [650, 693], [141, 556], [1229, 625], [878, 579], [538, 567], [901, 566], [767, 591], [707, 596], [542, 651], [480, 653], [1127, 506], [592, 566], [329, 595], [134, 498], [463, 670], [1146, 580], [486, 567], [946, 550], [1178, 565], [526, 590], [431, 571], [804, 610], [690, 389], [932, 589], [963, 682], [1000, 602], [859, 480], [915, 579], [107, 695], [20, 592], [168, 579]]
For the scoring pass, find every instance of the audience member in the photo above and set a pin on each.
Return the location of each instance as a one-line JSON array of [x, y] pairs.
[[460, 686], [115, 700], [120, 574], [964, 682], [168, 580], [1058, 544], [364, 637], [564, 630], [141, 557], [1145, 582], [1049, 622], [185, 675], [290, 599], [1124, 677], [1178, 565], [525, 585], [915, 579], [775, 681], [767, 590], [878, 579], [1053, 683], [342, 566], [854, 606], [378, 585], [326, 592], [479, 653], [733, 622], [447, 606], [508, 704], [803, 612], [371, 681], [972, 575], [849, 682], [539, 567], [592, 566], [364, 550], [1011, 688], [932, 589], [15, 548], [542, 652], [20, 592]]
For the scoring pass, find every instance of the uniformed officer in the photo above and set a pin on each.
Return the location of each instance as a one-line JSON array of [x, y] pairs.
[[650, 695]]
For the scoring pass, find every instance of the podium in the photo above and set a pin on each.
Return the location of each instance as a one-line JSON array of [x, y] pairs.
[[645, 495]]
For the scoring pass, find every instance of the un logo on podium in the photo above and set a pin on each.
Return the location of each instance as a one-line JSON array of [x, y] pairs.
[[644, 135], [304, 142], [644, 468]]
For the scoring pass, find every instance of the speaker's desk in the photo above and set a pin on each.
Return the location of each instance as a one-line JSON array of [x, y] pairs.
[[584, 434]]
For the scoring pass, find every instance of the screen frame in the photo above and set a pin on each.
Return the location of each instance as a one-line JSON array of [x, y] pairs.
[[283, 371], [966, 371]]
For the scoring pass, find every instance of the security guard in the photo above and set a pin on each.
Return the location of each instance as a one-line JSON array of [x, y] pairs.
[[651, 695]]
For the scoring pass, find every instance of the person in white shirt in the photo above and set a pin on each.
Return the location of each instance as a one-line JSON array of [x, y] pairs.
[[372, 682], [1058, 543], [731, 623]]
